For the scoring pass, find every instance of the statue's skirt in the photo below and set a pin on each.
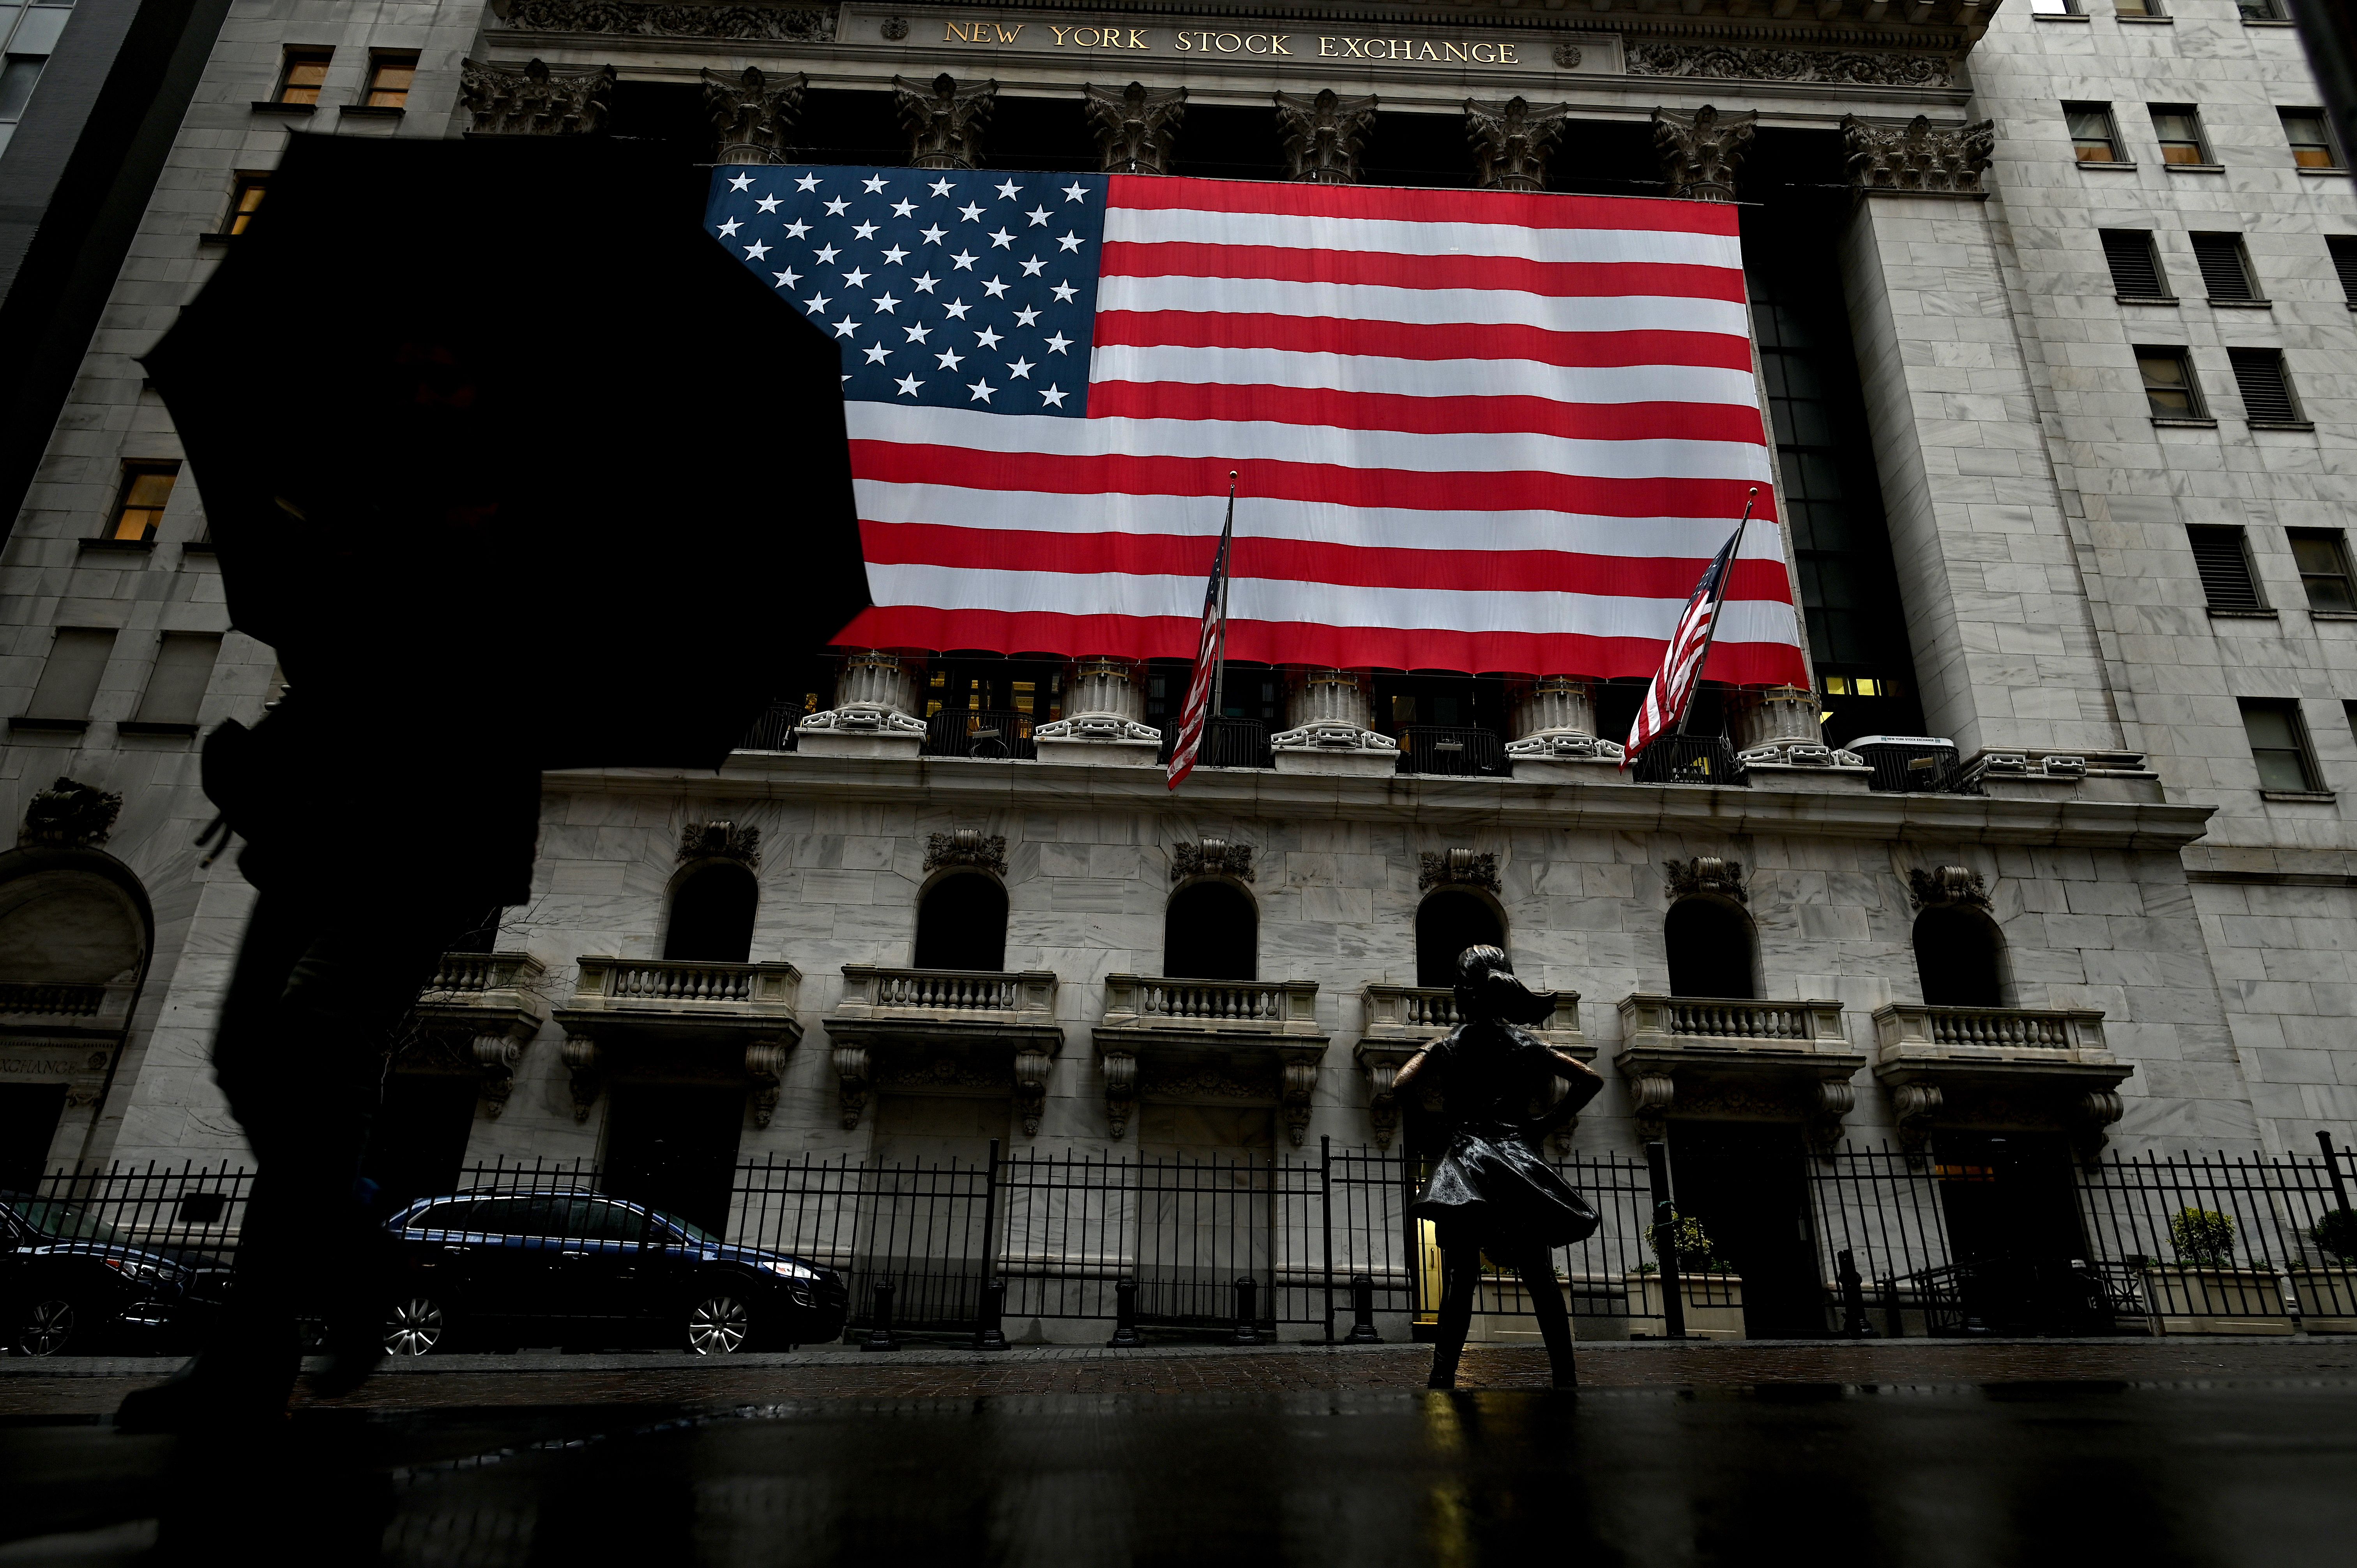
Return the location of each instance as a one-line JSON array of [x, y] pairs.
[[1492, 1191]]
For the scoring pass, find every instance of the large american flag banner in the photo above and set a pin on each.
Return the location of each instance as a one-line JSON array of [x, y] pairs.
[[1478, 431]]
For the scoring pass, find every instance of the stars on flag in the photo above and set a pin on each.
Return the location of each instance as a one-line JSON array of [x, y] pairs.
[[867, 225]]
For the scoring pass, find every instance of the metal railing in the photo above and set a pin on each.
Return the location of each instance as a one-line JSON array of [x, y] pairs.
[[1227, 743], [1452, 750], [998, 735], [55, 1001], [774, 730], [1689, 759]]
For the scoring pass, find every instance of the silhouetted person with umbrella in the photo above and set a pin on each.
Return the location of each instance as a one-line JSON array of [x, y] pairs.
[[458, 527], [1491, 1192]]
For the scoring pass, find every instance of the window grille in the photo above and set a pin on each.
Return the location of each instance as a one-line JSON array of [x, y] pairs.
[[2222, 556], [2267, 390], [2136, 267], [2225, 268]]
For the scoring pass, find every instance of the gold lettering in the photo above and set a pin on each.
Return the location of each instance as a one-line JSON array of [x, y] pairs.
[[1489, 58], [1059, 33], [1007, 37], [1427, 53], [1229, 43], [1088, 43], [1456, 51], [1252, 39], [1402, 49], [1276, 44], [1506, 54], [1325, 48], [1350, 47], [1113, 38], [1136, 39], [957, 31]]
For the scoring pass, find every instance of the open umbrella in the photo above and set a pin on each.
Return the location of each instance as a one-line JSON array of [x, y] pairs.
[[494, 426]]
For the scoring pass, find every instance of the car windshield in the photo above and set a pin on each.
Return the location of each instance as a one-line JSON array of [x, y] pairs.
[[692, 1233], [65, 1222]]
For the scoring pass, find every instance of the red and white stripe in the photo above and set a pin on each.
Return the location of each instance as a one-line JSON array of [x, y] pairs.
[[1478, 430]]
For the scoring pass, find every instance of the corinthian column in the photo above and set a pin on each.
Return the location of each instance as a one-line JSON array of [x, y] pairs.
[[945, 121], [751, 114], [1323, 135], [1512, 141], [1136, 126], [1701, 151]]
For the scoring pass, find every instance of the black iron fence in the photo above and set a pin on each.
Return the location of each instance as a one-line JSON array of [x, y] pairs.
[[2189, 1243], [1452, 749], [1690, 760], [1227, 743], [995, 735], [774, 730]]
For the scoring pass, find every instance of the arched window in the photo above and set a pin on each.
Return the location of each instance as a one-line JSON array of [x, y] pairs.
[[1712, 949], [74, 931], [711, 915], [1211, 931], [1960, 958], [961, 923], [1446, 923]]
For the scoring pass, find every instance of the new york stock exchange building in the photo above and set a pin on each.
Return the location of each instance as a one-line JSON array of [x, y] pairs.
[[1994, 910]]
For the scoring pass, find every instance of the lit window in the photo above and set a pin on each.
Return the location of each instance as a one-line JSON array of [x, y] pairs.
[[2322, 556], [300, 78], [2168, 385], [2094, 137], [139, 506], [389, 79], [2177, 127], [2310, 135], [2279, 747], [245, 199], [2138, 10]]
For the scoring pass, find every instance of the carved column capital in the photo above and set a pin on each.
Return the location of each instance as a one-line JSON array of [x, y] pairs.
[[1323, 135], [536, 99], [1919, 159], [751, 114], [944, 120], [1701, 151], [1512, 141], [1136, 126]]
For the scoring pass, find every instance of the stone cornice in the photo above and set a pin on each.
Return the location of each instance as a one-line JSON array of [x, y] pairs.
[[970, 788]]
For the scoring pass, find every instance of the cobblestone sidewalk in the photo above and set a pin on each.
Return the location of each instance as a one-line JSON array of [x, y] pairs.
[[91, 1386]]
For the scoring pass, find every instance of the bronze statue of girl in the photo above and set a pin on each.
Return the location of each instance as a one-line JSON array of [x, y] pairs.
[[1492, 1192]]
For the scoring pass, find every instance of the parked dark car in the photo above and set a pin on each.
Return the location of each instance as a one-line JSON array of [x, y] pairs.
[[586, 1269], [70, 1281]]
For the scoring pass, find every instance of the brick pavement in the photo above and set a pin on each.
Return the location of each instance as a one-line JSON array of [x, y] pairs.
[[91, 1388]]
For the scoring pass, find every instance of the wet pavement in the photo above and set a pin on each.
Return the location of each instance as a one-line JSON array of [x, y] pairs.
[[2151, 1451]]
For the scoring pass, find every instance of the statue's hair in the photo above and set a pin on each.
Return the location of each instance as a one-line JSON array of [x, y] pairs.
[[1476, 963], [1487, 986]]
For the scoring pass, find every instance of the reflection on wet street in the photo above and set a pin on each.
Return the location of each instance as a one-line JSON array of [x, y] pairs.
[[2248, 1473]]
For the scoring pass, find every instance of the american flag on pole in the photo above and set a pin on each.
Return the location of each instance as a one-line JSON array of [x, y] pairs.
[[1673, 687], [1487, 431], [1208, 650]]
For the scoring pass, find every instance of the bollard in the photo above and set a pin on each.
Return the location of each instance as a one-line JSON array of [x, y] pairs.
[[1247, 1332], [881, 1337], [1362, 1312], [1125, 1316], [1894, 1326], [1666, 1249], [1852, 1288], [990, 1334]]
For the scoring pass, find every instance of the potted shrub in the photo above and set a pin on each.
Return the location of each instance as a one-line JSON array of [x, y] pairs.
[[2328, 1294], [1709, 1287], [2203, 1292]]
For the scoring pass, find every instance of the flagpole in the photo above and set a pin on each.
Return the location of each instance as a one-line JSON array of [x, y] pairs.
[[1710, 631], [1227, 573]]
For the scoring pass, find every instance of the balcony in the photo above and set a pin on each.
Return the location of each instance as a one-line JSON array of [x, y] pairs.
[[57, 1010], [1226, 743], [670, 1017], [480, 1011], [1735, 1055], [1454, 751], [1401, 1020], [984, 735], [1236, 1041], [2044, 1067], [944, 1031]]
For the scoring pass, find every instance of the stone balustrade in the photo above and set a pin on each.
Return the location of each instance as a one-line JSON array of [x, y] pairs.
[[1255, 1042], [619, 984], [945, 1030], [632, 1013], [52, 1001], [474, 973], [1275, 1006], [1700, 1053], [2047, 1064], [1902, 1032], [487, 1005]]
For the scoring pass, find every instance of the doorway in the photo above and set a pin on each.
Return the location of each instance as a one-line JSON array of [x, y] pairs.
[[1746, 1182], [673, 1147], [2013, 1226], [29, 1114]]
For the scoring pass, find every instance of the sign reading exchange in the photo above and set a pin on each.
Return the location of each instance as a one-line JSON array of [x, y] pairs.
[[1060, 34]]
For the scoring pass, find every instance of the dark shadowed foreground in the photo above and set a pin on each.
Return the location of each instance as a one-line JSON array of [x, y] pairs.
[[2194, 1471]]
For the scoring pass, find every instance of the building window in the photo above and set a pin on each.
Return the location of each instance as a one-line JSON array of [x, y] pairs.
[[2343, 249], [69, 683], [2092, 135], [2178, 126], [139, 505], [1449, 921], [2138, 10], [2053, 7], [175, 687], [2169, 384], [2279, 747], [301, 77], [1211, 931], [1959, 958], [2322, 556], [2136, 266], [2221, 555], [2310, 135], [2225, 268], [2262, 10], [1713, 951], [961, 923], [245, 198], [18, 75], [711, 915], [390, 76], [2265, 386]]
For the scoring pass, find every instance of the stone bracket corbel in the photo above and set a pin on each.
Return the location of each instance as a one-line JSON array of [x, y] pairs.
[[495, 1056], [765, 1065], [587, 1071], [1917, 1106], [1121, 1089], [1298, 1080], [852, 1082], [1835, 1099], [1031, 1068], [2092, 1125], [1650, 1096]]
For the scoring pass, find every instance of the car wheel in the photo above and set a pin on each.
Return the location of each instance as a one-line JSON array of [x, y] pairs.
[[47, 1326], [717, 1325], [414, 1325]]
